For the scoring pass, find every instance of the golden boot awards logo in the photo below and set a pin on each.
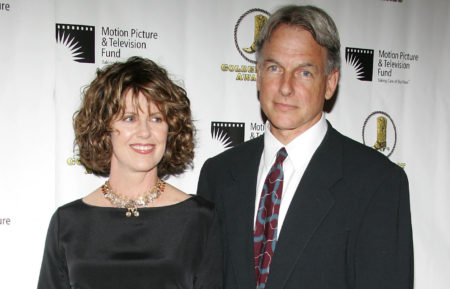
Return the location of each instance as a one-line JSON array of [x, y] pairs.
[[74, 161], [380, 133], [246, 33], [247, 24], [260, 20]]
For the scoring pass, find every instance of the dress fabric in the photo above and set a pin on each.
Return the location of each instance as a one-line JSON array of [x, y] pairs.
[[175, 246]]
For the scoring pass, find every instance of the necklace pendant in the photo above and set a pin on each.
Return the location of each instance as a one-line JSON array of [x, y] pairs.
[[132, 211]]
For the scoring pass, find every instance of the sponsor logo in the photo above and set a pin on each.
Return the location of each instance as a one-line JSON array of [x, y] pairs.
[[390, 65], [246, 31], [256, 129], [114, 40], [224, 135], [227, 134], [362, 61], [76, 42], [5, 221], [380, 133], [5, 7]]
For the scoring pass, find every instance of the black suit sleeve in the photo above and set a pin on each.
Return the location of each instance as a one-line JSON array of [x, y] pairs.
[[384, 249], [204, 188], [54, 273]]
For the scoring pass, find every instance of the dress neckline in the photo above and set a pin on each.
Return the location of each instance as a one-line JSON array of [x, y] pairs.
[[144, 208]]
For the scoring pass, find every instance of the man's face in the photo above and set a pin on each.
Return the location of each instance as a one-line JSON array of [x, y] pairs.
[[292, 82]]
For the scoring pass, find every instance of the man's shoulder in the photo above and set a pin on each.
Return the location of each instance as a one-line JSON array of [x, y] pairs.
[[361, 155], [220, 170]]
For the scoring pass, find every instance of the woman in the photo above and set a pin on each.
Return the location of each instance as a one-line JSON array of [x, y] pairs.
[[136, 231]]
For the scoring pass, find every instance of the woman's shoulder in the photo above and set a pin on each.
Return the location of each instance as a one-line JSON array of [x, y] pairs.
[[75, 204], [200, 207], [176, 196], [66, 212], [70, 208]]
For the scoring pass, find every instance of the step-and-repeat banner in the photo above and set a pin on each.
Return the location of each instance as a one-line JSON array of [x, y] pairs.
[[392, 97]]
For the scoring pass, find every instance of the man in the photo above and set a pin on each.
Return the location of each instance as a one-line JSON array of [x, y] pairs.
[[332, 213]]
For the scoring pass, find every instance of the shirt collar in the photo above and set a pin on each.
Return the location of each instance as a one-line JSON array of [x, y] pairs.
[[301, 147]]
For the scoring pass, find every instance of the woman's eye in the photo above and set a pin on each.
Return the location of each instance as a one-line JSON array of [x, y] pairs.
[[129, 118], [156, 119]]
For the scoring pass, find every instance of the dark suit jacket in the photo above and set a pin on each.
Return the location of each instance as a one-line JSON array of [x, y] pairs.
[[348, 225]]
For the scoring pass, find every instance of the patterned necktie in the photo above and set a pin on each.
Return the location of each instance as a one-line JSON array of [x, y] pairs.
[[265, 236]]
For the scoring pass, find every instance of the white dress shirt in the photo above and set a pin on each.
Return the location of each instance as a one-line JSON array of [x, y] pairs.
[[300, 151]]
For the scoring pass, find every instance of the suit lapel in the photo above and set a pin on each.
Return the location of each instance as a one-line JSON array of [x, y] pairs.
[[239, 203], [308, 208]]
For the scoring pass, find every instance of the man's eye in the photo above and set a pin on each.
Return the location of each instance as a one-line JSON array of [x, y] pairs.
[[306, 73], [272, 68]]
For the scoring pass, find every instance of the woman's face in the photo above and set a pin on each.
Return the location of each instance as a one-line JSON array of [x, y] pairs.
[[138, 138]]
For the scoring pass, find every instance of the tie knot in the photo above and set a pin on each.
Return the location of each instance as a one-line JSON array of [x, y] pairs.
[[281, 156]]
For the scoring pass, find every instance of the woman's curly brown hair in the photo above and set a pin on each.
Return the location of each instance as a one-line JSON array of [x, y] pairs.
[[104, 100]]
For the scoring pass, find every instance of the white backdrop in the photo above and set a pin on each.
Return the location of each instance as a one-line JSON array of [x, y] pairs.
[[395, 65]]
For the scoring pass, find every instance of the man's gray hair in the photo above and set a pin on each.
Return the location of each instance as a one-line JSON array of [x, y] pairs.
[[312, 19]]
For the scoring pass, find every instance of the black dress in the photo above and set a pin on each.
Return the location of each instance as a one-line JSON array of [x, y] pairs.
[[91, 247]]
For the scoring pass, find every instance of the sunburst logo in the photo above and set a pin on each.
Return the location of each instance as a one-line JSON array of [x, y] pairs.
[[76, 42], [362, 62], [227, 134]]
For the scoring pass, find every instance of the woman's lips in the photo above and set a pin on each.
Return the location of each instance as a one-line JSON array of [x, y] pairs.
[[142, 149]]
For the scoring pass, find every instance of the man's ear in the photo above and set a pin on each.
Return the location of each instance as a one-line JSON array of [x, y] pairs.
[[332, 81]]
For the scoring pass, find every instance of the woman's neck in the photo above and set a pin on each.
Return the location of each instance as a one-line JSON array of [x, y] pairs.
[[132, 184]]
